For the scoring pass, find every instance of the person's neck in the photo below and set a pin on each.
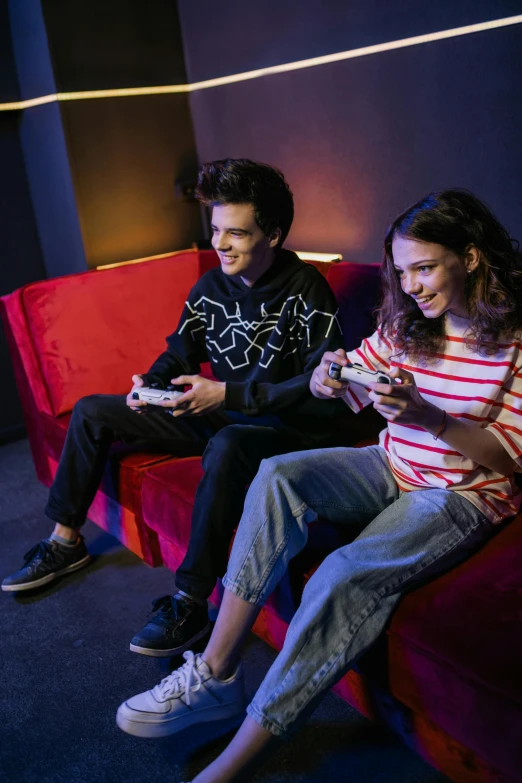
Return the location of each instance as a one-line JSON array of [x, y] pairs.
[[260, 271]]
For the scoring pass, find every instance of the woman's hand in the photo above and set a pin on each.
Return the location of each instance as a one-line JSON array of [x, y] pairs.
[[204, 396], [404, 402], [321, 385]]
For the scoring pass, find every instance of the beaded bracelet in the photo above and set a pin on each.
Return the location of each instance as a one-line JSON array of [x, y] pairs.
[[442, 427]]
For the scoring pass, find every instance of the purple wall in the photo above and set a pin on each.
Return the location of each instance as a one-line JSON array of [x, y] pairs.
[[361, 139]]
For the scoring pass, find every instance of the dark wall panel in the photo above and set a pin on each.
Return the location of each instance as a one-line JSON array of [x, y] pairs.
[[231, 36], [9, 85], [52, 192], [33, 66], [20, 256], [99, 45], [125, 155], [361, 139]]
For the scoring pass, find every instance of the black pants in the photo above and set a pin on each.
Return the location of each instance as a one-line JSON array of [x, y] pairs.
[[232, 453]]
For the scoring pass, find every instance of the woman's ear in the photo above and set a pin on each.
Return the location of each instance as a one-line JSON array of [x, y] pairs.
[[471, 258], [274, 238]]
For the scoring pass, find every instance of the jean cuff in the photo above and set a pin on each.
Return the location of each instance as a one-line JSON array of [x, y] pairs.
[[247, 595], [265, 722]]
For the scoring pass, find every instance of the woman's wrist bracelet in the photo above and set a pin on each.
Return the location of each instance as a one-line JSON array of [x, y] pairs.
[[442, 426]]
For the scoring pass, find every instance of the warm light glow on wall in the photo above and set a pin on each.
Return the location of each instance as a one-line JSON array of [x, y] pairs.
[[350, 54], [330, 258], [192, 249]]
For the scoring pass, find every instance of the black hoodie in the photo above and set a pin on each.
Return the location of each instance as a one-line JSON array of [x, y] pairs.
[[263, 341]]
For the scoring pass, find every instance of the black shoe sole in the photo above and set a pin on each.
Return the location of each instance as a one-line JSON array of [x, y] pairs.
[[46, 579], [173, 650]]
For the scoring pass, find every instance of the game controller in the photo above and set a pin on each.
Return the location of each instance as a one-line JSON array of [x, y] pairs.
[[356, 373], [154, 396]]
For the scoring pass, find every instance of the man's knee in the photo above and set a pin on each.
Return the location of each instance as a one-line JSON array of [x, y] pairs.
[[227, 448], [98, 406]]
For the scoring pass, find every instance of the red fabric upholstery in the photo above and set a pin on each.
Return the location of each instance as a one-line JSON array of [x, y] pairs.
[[356, 288], [120, 316], [455, 651], [168, 498]]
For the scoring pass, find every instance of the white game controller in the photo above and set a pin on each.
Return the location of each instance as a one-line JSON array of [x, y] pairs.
[[155, 396], [356, 373]]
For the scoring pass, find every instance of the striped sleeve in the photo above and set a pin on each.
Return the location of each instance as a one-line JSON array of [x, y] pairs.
[[373, 353], [505, 419]]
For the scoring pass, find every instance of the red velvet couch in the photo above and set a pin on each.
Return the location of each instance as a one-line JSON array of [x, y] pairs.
[[446, 675]]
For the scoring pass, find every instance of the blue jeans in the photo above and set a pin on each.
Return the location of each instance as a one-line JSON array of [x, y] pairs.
[[401, 539]]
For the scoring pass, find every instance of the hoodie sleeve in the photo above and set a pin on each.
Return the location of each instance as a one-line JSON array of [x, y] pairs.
[[186, 347], [315, 329]]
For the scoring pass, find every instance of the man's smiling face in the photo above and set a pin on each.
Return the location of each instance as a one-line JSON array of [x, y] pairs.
[[242, 247]]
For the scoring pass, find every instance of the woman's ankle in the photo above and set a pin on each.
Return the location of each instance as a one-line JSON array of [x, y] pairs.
[[221, 668]]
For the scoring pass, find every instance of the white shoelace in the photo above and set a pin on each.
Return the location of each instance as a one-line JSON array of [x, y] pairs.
[[185, 679]]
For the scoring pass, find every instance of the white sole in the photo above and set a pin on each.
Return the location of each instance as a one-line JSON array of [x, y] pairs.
[[174, 651], [46, 579], [165, 729]]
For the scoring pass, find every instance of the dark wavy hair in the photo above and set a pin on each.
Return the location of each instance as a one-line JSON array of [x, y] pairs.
[[243, 181], [455, 219]]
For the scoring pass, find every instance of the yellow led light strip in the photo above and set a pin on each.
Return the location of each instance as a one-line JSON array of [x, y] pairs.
[[272, 69], [326, 257], [192, 249]]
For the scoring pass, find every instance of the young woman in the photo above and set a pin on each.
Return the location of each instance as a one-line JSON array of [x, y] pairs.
[[419, 503]]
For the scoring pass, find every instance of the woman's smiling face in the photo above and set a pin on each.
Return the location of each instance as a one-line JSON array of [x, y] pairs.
[[433, 275]]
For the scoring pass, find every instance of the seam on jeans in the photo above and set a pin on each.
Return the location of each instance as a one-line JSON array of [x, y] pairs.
[[311, 689], [424, 564], [314, 682], [255, 593], [330, 504]]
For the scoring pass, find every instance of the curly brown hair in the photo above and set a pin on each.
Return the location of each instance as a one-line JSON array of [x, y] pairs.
[[455, 219]]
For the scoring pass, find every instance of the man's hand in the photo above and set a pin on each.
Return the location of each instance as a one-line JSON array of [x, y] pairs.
[[321, 385], [136, 405], [203, 397], [404, 401]]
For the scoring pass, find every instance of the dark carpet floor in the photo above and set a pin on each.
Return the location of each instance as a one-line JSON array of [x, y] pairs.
[[65, 667]]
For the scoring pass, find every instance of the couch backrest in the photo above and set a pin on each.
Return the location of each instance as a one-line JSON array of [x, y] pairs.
[[92, 331], [357, 290]]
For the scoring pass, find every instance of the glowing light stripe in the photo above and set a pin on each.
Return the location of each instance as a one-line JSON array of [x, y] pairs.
[[312, 62], [29, 103], [146, 258], [364, 51], [326, 257]]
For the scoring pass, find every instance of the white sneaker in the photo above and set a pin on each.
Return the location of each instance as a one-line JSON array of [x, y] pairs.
[[190, 695]]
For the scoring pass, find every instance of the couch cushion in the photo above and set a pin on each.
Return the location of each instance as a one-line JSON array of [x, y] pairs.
[[455, 650], [168, 498], [357, 289], [93, 330]]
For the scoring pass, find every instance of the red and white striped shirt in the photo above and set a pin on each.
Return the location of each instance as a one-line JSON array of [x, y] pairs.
[[482, 389]]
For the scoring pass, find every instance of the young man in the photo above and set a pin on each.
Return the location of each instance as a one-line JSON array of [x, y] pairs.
[[263, 320]]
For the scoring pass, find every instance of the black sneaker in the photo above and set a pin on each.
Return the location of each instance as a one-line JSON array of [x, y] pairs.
[[45, 562], [179, 623]]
